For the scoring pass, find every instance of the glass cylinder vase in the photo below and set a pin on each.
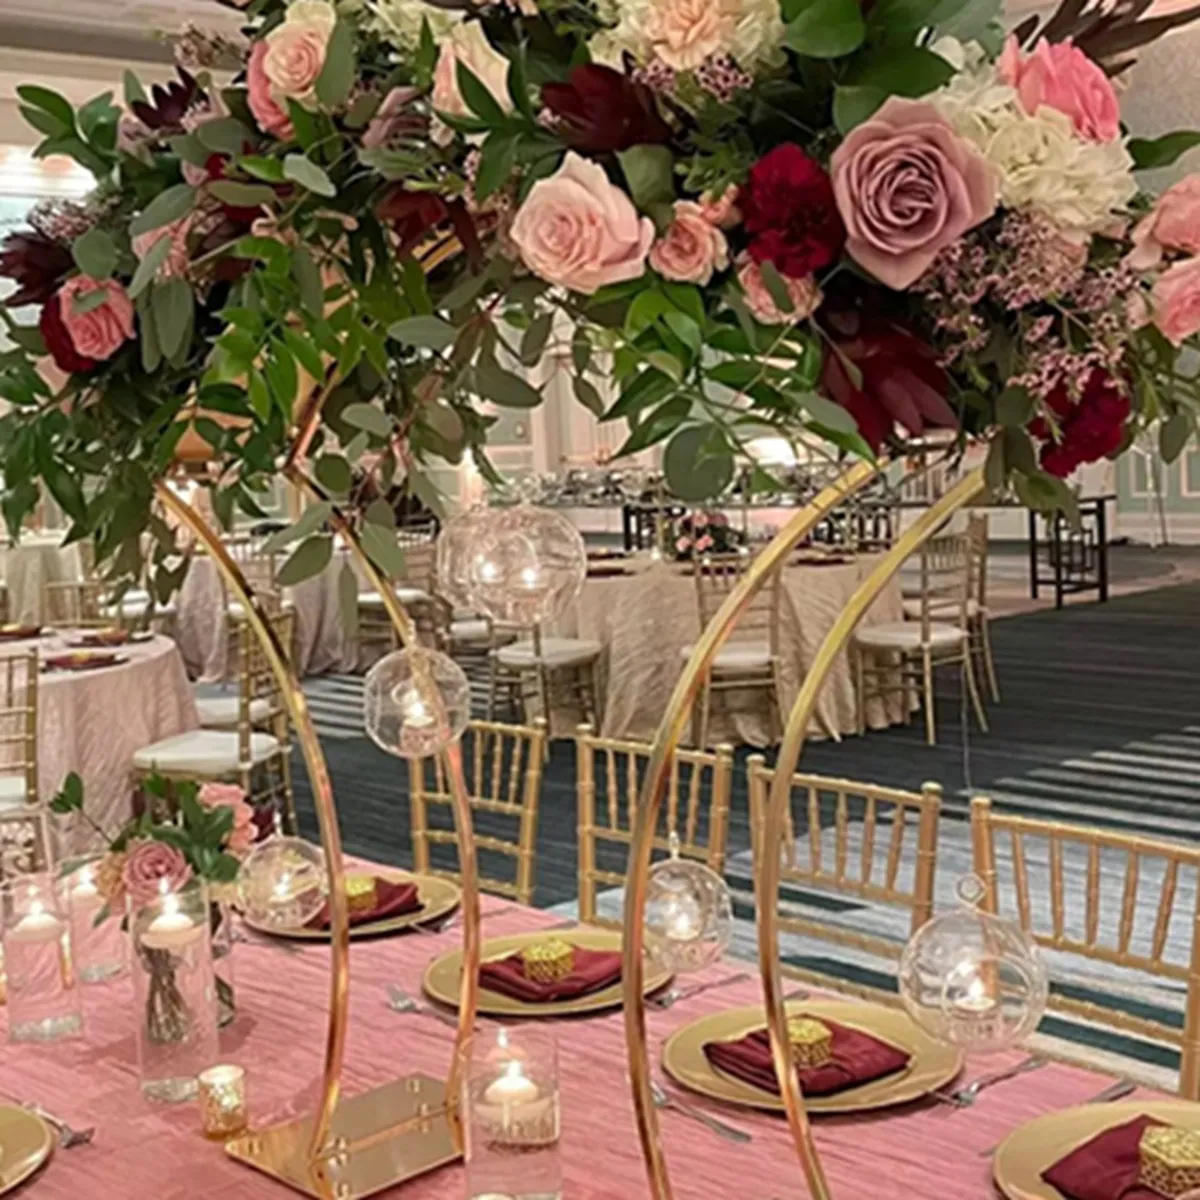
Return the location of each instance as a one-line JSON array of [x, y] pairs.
[[175, 999], [43, 996], [220, 923], [99, 947], [512, 1116]]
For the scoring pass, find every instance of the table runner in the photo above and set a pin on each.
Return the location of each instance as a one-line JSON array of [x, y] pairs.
[[925, 1150]]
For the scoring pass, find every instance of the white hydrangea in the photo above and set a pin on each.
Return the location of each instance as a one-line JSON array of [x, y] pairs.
[[399, 21]]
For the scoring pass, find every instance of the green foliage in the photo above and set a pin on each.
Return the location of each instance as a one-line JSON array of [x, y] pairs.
[[1148, 153], [824, 28]]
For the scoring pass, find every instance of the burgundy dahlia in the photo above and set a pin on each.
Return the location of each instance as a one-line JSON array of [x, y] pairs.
[[599, 109], [58, 341], [790, 212], [1090, 428], [36, 263]]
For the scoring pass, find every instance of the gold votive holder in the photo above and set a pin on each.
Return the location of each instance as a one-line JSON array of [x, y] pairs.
[[548, 961], [360, 893], [1169, 1160], [811, 1041], [223, 1100]]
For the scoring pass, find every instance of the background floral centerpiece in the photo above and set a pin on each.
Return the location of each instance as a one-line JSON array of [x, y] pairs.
[[702, 532]]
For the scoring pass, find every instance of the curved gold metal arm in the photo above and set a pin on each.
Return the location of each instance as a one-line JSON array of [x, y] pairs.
[[670, 731], [767, 872]]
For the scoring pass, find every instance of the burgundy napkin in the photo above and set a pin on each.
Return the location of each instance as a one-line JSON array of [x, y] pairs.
[[857, 1058], [594, 971], [110, 637], [1105, 1168], [81, 661], [392, 899], [19, 633]]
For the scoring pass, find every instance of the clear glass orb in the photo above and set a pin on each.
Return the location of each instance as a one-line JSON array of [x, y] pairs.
[[454, 550], [282, 882], [416, 702], [527, 564], [971, 979], [689, 915]]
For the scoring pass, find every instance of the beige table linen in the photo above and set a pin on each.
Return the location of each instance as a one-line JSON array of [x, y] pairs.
[[644, 619], [30, 564]]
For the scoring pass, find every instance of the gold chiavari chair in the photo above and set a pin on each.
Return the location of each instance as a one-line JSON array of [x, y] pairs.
[[20, 805], [96, 603], [902, 655], [875, 844], [542, 670], [259, 566], [1136, 937], [609, 776], [256, 752], [749, 660], [503, 769]]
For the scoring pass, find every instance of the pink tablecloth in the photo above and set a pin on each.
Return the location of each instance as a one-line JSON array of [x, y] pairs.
[[927, 1151]]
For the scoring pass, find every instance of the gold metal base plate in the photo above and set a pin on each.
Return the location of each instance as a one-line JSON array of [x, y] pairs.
[[374, 1159]]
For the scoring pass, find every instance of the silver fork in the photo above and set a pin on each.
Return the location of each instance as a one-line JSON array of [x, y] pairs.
[[456, 920], [672, 996], [664, 1099], [68, 1137], [964, 1097], [400, 1001], [1114, 1091]]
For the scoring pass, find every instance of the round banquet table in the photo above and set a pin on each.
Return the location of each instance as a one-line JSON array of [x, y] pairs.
[[36, 560], [93, 722], [645, 618]]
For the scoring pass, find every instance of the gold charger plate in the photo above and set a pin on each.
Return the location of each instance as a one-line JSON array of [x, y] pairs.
[[931, 1065], [25, 1143], [1037, 1145], [442, 976], [439, 898]]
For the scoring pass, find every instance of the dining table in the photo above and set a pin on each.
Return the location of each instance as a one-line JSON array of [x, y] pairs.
[[28, 565], [923, 1149]]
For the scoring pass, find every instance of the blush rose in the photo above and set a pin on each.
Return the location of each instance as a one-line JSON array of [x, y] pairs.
[[1173, 224], [1175, 300], [296, 49], [805, 295], [99, 332], [267, 111], [467, 44], [228, 795], [691, 249]]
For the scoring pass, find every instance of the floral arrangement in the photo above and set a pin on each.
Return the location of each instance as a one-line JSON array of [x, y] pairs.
[[830, 219], [703, 532]]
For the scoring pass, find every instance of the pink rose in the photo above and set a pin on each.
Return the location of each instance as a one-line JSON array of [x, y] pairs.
[[467, 44], [806, 297], [580, 231], [101, 331], [683, 545], [1173, 224], [272, 118], [683, 33], [1176, 301], [691, 249], [243, 831], [907, 186], [703, 543], [177, 260], [699, 520], [1060, 76], [296, 49], [722, 210], [153, 868]]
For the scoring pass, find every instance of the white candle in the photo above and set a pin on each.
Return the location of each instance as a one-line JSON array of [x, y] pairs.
[[416, 712], [977, 1013], [514, 1109], [37, 925], [514, 1087], [85, 892], [171, 929]]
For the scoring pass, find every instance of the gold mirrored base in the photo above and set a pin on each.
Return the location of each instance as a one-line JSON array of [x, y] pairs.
[[380, 1138]]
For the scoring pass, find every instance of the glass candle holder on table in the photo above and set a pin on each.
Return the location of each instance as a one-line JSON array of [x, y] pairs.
[[175, 1003], [223, 1101], [99, 947], [43, 997], [512, 1116]]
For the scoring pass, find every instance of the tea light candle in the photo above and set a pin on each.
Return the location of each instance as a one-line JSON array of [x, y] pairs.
[[513, 1108], [37, 925], [171, 929], [976, 1012], [84, 893], [223, 1100]]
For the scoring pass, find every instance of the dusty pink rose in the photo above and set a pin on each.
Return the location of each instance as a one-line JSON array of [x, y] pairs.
[[467, 44], [580, 231], [806, 297], [153, 868], [1173, 224], [1060, 76], [907, 186], [722, 210], [100, 332], [271, 116], [1176, 301], [296, 48], [683, 545], [691, 249], [229, 795], [390, 118], [684, 33], [177, 260]]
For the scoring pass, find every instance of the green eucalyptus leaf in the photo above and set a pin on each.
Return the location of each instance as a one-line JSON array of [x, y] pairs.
[[168, 206], [380, 546], [147, 268], [534, 340], [338, 72], [367, 416], [995, 470], [693, 472], [648, 171], [430, 332], [308, 175], [224, 135], [777, 289], [825, 28], [587, 395], [497, 159], [348, 601], [269, 170], [506, 389], [1014, 406], [1174, 435], [333, 474], [903, 71], [242, 195], [310, 558], [172, 302], [1148, 153], [310, 520], [827, 412], [95, 254], [307, 275]]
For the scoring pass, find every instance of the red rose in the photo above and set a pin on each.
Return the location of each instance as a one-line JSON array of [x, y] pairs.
[[600, 109], [790, 213], [58, 340], [1090, 429]]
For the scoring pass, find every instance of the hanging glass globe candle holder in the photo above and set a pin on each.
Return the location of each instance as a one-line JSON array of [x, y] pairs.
[[971, 979], [689, 914], [416, 702], [527, 564], [454, 550], [282, 883]]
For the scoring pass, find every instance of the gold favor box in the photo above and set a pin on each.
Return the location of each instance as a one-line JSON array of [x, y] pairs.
[[811, 1040], [548, 961], [360, 893], [1170, 1160]]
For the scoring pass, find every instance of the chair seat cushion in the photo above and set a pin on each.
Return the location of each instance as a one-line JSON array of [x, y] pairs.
[[134, 604], [406, 596], [556, 652], [945, 610], [906, 635], [221, 712], [12, 792], [471, 629], [745, 658], [204, 751]]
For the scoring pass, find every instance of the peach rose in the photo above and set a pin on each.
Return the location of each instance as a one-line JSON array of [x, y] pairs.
[[177, 260], [1176, 301], [580, 231], [228, 795], [722, 210], [468, 44], [691, 249], [806, 297], [1173, 224], [101, 331], [296, 49], [1062, 77], [272, 118], [907, 186], [684, 33]]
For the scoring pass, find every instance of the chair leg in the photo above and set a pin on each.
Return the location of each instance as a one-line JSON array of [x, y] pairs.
[[973, 688], [927, 683], [705, 713], [989, 664], [493, 684], [543, 688], [860, 689]]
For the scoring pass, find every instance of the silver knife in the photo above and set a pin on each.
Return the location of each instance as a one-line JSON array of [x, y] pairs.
[[1114, 1091]]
